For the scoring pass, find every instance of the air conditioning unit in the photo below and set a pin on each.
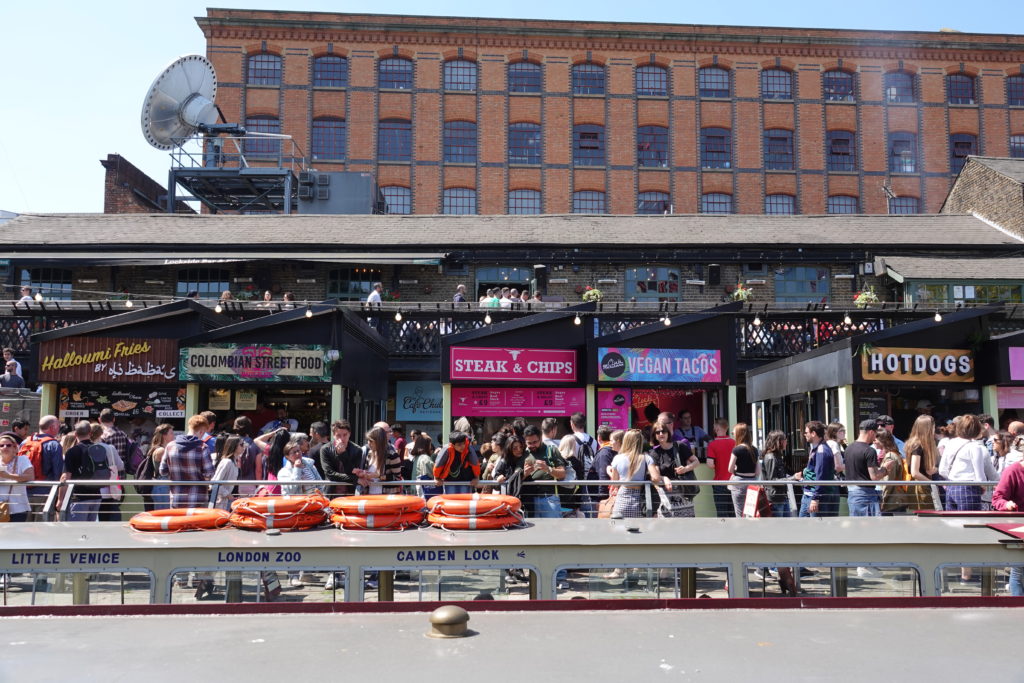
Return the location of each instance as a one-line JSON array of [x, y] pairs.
[[305, 191], [323, 193], [323, 179], [306, 178]]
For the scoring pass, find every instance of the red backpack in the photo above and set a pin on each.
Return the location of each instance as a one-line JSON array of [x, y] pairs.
[[32, 448]]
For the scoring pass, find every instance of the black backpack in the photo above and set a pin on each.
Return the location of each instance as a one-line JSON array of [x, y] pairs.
[[583, 459], [94, 465]]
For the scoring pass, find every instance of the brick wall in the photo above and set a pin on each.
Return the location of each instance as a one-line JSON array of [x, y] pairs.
[[619, 49], [126, 189]]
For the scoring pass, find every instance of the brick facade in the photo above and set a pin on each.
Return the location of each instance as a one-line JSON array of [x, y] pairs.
[[994, 196], [810, 57], [126, 189]]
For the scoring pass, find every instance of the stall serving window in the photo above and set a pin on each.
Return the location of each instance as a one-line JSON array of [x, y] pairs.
[[652, 283]]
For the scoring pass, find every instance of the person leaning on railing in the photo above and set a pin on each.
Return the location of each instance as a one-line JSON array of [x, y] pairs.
[[14, 467]]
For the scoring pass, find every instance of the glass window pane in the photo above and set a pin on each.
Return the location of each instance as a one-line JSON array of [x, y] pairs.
[[638, 583], [776, 84], [588, 202], [842, 204], [524, 202], [440, 585], [959, 89], [652, 81], [824, 582], [779, 204], [713, 82], [524, 143], [262, 147], [778, 150], [652, 146], [588, 79], [330, 71], [842, 151], [588, 145], [1015, 91], [1017, 146], [961, 146], [899, 86], [460, 142], [397, 199], [459, 201], [264, 69], [524, 77], [902, 153], [715, 148], [328, 139], [838, 86], [716, 202], [459, 74], [394, 140], [394, 73], [904, 205], [351, 283], [652, 203]]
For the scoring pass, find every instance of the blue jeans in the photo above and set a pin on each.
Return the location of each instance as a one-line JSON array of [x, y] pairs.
[[1017, 581], [84, 510], [781, 508], [723, 501], [864, 502], [457, 488], [828, 506], [547, 506]]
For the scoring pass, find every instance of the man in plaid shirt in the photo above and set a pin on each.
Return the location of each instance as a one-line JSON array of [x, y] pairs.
[[188, 458], [113, 436]]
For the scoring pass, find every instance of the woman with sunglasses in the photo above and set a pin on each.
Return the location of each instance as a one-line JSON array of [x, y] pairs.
[[14, 467], [674, 460]]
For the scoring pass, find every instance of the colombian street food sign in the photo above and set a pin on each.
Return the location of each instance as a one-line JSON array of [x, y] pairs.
[[255, 363], [897, 364]]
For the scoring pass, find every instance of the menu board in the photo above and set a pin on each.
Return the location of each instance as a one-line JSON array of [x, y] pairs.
[[870, 406], [86, 403], [508, 402], [613, 407]]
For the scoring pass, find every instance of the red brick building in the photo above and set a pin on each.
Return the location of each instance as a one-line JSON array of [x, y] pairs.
[[490, 116]]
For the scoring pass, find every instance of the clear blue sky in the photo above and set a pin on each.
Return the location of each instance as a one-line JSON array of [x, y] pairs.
[[74, 73]]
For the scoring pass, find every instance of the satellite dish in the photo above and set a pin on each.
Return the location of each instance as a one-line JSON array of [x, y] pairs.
[[180, 102]]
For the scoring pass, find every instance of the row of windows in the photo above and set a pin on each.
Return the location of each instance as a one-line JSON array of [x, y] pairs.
[[396, 73], [461, 200], [589, 145]]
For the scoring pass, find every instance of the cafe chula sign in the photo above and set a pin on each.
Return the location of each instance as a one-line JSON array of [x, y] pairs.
[[898, 364], [105, 359]]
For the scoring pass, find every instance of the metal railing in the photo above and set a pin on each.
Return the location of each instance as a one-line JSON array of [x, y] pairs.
[[49, 506]]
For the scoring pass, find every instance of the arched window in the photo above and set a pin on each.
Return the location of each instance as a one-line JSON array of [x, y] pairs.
[[397, 199], [652, 146], [902, 152], [961, 145], [459, 74], [1017, 146], [1015, 91], [959, 89], [904, 205], [842, 150], [652, 203], [588, 201], [899, 87], [460, 142], [262, 147], [776, 84], [52, 283], [524, 143], [394, 140], [715, 148], [588, 79], [841, 203], [588, 145], [394, 73], [524, 77], [778, 150], [713, 81], [524, 202], [716, 202], [328, 138], [208, 282], [263, 69], [780, 204], [459, 201], [652, 80], [838, 86], [330, 71]]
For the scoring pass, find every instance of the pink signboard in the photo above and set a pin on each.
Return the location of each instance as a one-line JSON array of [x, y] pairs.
[[1016, 362], [509, 402], [1010, 397], [512, 365], [613, 407]]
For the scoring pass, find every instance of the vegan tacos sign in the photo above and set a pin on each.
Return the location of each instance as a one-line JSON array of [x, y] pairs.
[[255, 363]]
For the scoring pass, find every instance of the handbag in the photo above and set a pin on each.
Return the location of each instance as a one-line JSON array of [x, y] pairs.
[[895, 498], [605, 507], [688, 491]]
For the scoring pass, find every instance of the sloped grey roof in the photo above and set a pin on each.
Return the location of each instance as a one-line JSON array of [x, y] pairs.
[[1007, 166], [918, 268], [272, 232]]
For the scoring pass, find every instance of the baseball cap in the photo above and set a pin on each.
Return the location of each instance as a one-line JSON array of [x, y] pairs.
[[885, 420], [868, 425]]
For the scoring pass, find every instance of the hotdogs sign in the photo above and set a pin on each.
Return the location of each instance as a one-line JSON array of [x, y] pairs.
[[102, 359], [897, 364]]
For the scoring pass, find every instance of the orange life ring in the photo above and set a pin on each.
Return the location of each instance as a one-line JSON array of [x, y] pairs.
[[474, 505], [300, 520], [280, 504], [180, 519], [384, 521], [392, 504], [474, 523]]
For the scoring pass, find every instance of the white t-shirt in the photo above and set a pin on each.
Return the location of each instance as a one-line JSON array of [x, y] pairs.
[[620, 463], [374, 297], [16, 496]]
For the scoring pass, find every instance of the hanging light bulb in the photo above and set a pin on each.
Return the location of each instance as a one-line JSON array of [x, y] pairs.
[[578, 320], [757, 319], [667, 321], [39, 296], [218, 308], [938, 317], [398, 316], [487, 319], [847, 320], [309, 312], [128, 303]]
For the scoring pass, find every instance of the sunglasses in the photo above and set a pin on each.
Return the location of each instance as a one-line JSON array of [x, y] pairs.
[[661, 431], [8, 445]]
